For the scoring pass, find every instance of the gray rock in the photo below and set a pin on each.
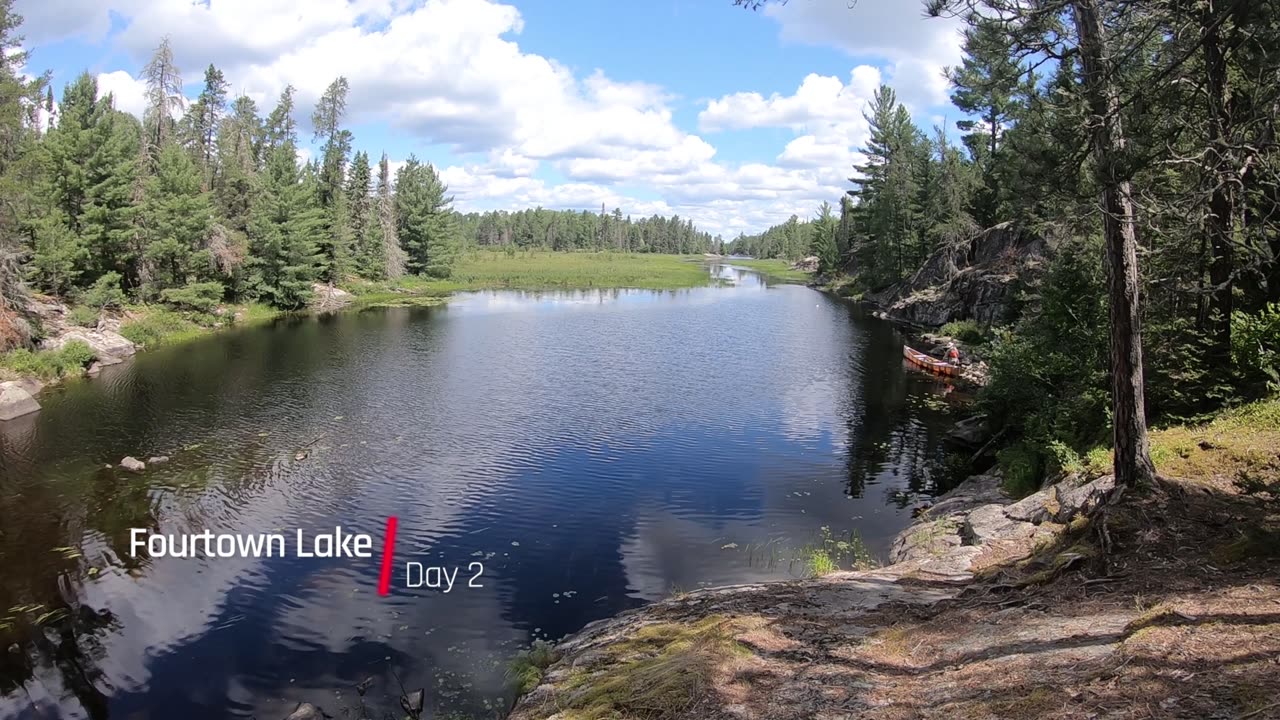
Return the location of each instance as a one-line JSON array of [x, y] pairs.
[[971, 432], [1035, 508], [809, 264], [1082, 499], [110, 347], [975, 492], [975, 278], [987, 523], [927, 540], [94, 369], [158, 460], [133, 464], [15, 401], [32, 385], [306, 711], [327, 298]]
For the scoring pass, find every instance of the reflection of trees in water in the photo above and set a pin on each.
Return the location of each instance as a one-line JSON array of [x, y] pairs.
[[891, 424]]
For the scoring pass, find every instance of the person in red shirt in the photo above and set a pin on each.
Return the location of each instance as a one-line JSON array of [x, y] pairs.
[[953, 354]]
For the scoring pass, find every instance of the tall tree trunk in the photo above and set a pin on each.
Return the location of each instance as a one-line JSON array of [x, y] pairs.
[[1132, 448], [1220, 223]]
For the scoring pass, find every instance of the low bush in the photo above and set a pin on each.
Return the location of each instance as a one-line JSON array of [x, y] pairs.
[[83, 315], [197, 297], [159, 326], [106, 292], [69, 360], [966, 331], [1255, 349]]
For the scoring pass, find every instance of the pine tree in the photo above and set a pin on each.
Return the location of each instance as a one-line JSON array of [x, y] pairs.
[[177, 218], [90, 167], [424, 219], [285, 221], [200, 124], [164, 97], [335, 244], [985, 84], [823, 240], [361, 219]]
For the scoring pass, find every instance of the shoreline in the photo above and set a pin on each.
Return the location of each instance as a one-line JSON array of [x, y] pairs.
[[526, 270], [991, 608]]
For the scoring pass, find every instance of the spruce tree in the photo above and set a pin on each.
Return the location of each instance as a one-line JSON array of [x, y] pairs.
[[362, 220], [336, 240], [176, 217], [424, 219], [823, 240], [285, 221], [200, 124]]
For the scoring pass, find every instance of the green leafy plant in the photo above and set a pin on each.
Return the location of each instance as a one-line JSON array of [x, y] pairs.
[[106, 292], [966, 331], [83, 316]]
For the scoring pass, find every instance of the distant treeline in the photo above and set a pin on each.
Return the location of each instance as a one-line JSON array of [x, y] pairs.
[[570, 230]]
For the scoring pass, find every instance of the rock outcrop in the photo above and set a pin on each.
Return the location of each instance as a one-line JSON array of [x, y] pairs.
[[932, 561], [109, 346], [977, 521], [15, 401], [975, 279], [327, 298]]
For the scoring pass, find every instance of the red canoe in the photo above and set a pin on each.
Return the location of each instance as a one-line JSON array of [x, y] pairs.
[[932, 364]]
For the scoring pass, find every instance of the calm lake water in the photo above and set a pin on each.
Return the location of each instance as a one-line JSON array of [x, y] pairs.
[[593, 450]]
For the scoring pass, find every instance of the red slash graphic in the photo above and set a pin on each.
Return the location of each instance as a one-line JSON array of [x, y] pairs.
[[388, 550]]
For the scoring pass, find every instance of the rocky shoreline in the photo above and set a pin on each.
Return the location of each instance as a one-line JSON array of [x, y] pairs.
[[19, 397], [972, 528]]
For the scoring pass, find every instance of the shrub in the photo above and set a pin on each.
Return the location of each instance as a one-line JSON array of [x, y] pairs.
[[1255, 349], [106, 292], [70, 359], [527, 668], [83, 315], [1022, 467], [199, 297], [966, 331], [157, 327]]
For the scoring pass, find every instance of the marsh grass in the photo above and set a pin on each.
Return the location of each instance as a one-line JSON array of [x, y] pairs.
[[546, 270], [774, 268], [823, 555]]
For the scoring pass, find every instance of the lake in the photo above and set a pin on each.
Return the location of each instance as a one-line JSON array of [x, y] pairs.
[[592, 451]]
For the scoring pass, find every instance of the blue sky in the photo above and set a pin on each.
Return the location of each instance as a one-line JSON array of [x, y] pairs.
[[734, 118]]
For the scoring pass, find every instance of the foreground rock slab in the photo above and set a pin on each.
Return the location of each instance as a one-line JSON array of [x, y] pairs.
[[807, 648], [15, 401], [111, 348]]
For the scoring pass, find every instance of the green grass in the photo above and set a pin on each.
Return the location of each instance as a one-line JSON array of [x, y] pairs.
[[775, 268], [545, 270], [67, 361], [157, 326]]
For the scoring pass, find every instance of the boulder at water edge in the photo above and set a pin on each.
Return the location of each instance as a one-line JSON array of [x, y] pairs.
[[15, 401], [110, 347], [133, 464]]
